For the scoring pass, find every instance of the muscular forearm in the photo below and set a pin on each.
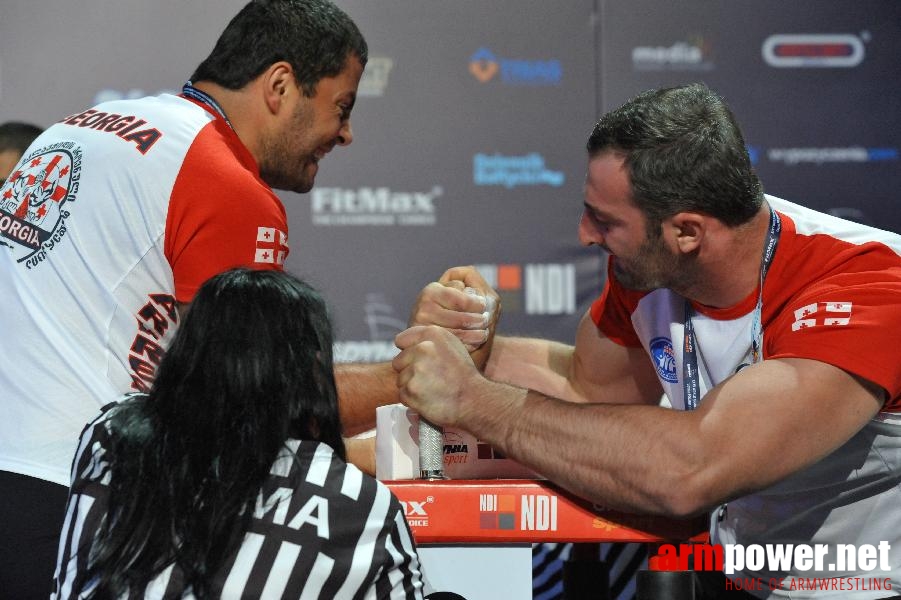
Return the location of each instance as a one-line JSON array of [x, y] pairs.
[[361, 389], [661, 461], [752, 430], [631, 458], [536, 364], [620, 456]]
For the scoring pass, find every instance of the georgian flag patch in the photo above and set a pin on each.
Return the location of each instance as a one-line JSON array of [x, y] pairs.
[[822, 313], [272, 246]]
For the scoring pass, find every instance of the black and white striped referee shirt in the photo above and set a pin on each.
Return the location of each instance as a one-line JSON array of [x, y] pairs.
[[321, 529]]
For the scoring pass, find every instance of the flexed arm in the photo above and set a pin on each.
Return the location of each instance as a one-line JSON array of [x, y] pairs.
[[646, 458]]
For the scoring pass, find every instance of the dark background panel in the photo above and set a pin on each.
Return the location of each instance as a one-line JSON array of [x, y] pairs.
[[826, 137], [424, 133], [822, 136]]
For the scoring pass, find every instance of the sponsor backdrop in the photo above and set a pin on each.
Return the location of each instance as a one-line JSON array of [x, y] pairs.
[[472, 118]]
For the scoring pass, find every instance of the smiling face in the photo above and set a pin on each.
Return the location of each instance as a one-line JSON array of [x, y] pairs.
[[309, 129], [612, 221]]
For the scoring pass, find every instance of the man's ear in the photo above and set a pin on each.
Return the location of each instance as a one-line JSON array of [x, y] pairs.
[[277, 84], [686, 231]]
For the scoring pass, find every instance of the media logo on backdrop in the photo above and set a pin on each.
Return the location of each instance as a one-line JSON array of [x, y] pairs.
[[382, 206], [533, 289], [817, 50], [514, 171], [819, 156], [693, 54], [361, 351], [485, 66], [851, 154], [375, 77], [793, 157]]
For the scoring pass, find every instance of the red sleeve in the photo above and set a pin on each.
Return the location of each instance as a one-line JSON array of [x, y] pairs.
[[221, 214], [612, 311], [850, 320]]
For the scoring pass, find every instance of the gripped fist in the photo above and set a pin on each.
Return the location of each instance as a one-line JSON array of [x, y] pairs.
[[433, 369], [462, 302]]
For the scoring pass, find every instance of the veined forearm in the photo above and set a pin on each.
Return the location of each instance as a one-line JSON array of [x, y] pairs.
[[534, 364], [623, 457]]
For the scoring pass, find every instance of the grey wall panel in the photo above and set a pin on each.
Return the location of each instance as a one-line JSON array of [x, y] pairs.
[[814, 84], [472, 117]]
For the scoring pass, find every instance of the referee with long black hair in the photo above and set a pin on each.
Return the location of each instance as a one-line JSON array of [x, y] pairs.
[[229, 480]]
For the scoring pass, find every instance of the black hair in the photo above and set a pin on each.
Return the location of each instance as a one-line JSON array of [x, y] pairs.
[[16, 135], [250, 367], [314, 36], [684, 152]]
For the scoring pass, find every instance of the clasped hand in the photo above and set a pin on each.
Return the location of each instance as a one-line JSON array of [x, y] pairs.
[[448, 343]]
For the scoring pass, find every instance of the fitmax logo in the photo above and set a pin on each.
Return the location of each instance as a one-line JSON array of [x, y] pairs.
[[373, 206]]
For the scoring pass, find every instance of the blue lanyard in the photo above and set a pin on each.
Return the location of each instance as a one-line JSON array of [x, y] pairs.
[[691, 379], [189, 91]]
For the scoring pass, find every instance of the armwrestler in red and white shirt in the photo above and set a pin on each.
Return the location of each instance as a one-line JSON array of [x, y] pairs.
[[139, 221], [802, 447], [793, 433], [829, 296], [116, 215]]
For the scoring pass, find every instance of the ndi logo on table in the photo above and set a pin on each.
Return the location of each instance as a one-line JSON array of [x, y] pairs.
[[537, 512]]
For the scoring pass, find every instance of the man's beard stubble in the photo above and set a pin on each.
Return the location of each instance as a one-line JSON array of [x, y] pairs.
[[655, 267], [285, 157]]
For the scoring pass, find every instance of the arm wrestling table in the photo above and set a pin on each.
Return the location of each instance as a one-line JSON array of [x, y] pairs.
[[496, 517]]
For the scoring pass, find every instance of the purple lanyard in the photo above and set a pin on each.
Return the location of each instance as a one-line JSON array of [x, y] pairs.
[[691, 378], [189, 91]]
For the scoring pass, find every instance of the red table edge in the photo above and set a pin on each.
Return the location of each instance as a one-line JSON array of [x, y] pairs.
[[501, 511]]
